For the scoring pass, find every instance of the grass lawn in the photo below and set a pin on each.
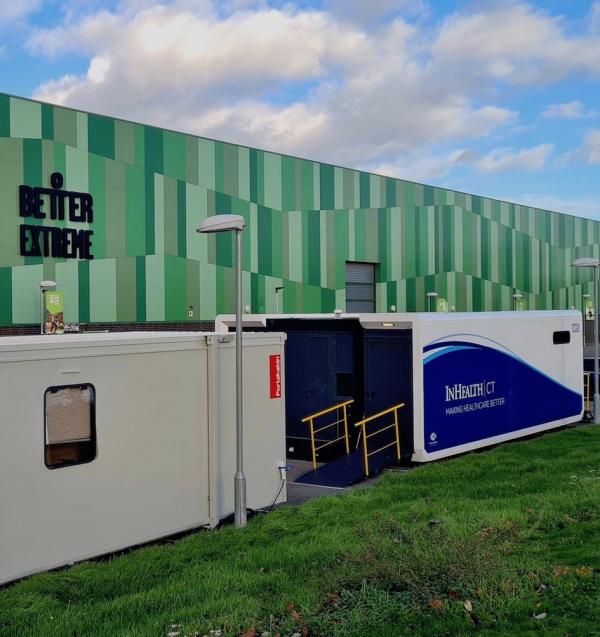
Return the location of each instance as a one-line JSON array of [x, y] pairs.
[[504, 542]]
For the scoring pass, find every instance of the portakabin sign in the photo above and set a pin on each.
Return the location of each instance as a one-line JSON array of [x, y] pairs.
[[55, 204], [275, 376]]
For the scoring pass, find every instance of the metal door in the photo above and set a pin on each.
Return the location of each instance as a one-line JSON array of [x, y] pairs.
[[309, 381], [319, 374], [388, 377]]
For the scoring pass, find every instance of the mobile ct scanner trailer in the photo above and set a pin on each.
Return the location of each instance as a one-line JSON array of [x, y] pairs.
[[111, 440], [467, 380]]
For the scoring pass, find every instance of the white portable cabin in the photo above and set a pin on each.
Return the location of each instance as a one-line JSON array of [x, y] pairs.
[[112, 440], [468, 380]]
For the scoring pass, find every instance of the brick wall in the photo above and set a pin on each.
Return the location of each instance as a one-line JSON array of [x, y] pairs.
[[204, 326]]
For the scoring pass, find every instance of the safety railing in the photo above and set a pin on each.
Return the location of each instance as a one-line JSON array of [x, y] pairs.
[[340, 420], [587, 401], [394, 425]]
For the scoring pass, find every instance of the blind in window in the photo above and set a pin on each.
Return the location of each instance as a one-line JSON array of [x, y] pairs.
[[360, 287], [68, 415]]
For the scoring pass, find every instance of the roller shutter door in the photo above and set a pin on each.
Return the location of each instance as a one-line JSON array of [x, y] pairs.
[[360, 287]]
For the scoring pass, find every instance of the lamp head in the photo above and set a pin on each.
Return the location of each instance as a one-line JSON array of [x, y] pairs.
[[222, 223], [586, 262], [47, 284]]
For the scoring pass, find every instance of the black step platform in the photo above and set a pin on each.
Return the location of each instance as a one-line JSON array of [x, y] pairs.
[[349, 469]]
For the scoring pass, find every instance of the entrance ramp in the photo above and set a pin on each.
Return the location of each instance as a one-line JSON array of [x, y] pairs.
[[364, 461], [347, 470]]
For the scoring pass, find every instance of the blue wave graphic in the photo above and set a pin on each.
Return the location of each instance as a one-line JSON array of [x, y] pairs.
[[514, 395], [441, 352]]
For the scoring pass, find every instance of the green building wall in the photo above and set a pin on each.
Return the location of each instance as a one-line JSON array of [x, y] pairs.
[[153, 187]]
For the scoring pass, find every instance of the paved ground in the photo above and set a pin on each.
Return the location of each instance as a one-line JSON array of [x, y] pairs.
[[298, 493]]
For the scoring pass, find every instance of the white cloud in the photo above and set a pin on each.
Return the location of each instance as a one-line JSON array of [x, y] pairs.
[[591, 147], [588, 152], [503, 159], [514, 43], [166, 48], [88, 35], [58, 91], [369, 100], [585, 206], [369, 13], [424, 168], [567, 110], [14, 10], [318, 84], [594, 18]]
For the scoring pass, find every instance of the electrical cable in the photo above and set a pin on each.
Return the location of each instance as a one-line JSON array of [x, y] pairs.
[[278, 494]]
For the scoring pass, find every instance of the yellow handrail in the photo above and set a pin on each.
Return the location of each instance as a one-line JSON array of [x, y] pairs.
[[363, 423], [311, 421]]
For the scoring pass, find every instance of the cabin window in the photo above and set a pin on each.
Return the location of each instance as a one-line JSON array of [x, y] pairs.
[[70, 425], [561, 338]]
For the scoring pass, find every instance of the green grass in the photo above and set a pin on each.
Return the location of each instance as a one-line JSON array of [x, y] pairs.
[[475, 545]]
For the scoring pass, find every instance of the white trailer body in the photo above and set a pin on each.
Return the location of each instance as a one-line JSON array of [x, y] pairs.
[[163, 461], [484, 378], [478, 378]]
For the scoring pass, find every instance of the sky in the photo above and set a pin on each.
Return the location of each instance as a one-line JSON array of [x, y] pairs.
[[499, 98]]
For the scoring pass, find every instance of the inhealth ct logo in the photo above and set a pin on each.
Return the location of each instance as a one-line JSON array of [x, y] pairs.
[[458, 391]]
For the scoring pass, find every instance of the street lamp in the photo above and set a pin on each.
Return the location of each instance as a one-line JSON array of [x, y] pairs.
[[431, 296], [593, 262], [44, 287], [517, 296], [584, 298], [235, 223]]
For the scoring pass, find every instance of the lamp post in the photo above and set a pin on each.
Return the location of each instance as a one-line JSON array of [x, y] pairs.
[[44, 287], [517, 296], [593, 262], [235, 223], [431, 296], [584, 298]]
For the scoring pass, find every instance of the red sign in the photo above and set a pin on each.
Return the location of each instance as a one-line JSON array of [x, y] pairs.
[[275, 375]]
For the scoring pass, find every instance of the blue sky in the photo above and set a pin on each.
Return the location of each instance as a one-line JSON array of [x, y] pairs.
[[498, 98]]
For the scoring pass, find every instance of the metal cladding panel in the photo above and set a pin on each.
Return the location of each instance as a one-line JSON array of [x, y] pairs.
[[151, 188]]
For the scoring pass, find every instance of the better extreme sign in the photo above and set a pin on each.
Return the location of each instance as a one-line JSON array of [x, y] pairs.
[[36, 240]]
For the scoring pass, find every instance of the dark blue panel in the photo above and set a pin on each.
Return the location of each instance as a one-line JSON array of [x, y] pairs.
[[309, 379], [388, 382], [344, 352], [474, 391], [319, 373]]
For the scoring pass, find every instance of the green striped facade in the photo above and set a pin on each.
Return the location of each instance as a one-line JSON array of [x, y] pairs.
[[153, 187]]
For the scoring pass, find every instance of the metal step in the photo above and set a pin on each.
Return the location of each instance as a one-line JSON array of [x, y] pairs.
[[349, 469]]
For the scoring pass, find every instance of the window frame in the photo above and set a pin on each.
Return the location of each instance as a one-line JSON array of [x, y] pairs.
[[561, 337], [77, 444]]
